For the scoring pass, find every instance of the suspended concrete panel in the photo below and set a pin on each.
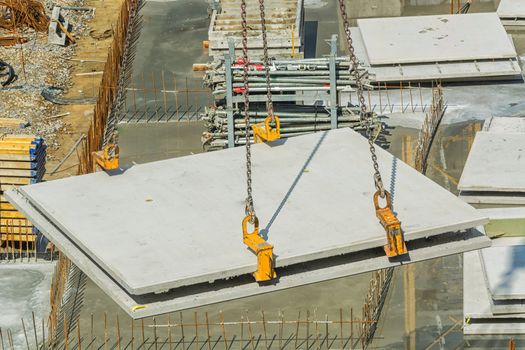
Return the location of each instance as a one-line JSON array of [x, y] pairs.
[[177, 223], [139, 306]]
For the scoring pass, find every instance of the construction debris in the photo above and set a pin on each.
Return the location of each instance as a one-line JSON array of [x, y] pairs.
[[6, 70], [27, 13], [59, 29]]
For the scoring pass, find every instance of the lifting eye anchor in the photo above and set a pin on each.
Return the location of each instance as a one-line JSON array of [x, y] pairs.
[[108, 158], [396, 242], [263, 250], [263, 132]]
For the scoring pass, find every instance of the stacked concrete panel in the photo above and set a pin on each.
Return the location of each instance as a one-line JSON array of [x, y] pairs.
[[494, 288], [493, 172], [443, 47], [284, 28], [22, 162], [149, 239], [512, 12]]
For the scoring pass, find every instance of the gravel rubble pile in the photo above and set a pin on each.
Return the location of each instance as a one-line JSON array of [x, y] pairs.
[[39, 65]]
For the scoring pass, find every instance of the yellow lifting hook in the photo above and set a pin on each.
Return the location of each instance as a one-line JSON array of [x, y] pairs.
[[396, 242], [263, 132], [108, 158], [263, 250]]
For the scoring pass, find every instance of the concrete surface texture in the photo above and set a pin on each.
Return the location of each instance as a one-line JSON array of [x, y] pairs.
[[496, 163], [311, 191], [504, 125], [142, 143], [433, 39], [511, 9], [25, 289], [205, 294], [504, 269]]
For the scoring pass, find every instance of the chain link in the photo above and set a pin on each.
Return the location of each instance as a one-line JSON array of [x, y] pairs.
[[249, 208], [366, 116], [269, 102]]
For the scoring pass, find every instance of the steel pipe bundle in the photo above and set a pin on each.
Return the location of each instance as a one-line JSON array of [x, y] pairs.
[[285, 75], [295, 121]]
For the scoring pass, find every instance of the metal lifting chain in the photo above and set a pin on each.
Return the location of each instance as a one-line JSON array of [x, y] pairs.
[[249, 209], [365, 115], [269, 102]]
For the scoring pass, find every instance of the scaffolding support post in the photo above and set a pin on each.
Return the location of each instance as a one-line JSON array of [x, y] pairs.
[[333, 82], [229, 99]]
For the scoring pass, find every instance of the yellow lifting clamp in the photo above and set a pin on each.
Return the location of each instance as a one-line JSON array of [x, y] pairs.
[[264, 250], [108, 158], [263, 132], [396, 242]]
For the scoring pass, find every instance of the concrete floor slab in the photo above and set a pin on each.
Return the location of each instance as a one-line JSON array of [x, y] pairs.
[[509, 213], [477, 301], [511, 9], [441, 38], [187, 211], [235, 288], [478, 306], [450, 71], [504, 268], [504, 125], [494, 169]]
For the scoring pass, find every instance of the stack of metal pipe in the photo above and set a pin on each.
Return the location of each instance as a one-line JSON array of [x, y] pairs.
[[285, 76], [302, 92], [295, 120]]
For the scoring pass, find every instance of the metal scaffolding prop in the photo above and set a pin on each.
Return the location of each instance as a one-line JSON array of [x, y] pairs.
[[306, 92]]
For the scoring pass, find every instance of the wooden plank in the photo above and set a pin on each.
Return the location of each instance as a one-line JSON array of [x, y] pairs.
[[21, 172], [19, 180], [14, 137], [12, 214], [13, 123], [24, 237], [15, 223], [22, 156], [17, 229], [6, 206], [7, 164]]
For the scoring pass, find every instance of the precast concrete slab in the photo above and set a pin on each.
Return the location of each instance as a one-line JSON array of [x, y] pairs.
[[469, 70], [506, 213], [313, 196], [430, 39], [477, 301], [504, 125], [478, 305], [494, 169], [504, 268], [511, 9], [139, 306]]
